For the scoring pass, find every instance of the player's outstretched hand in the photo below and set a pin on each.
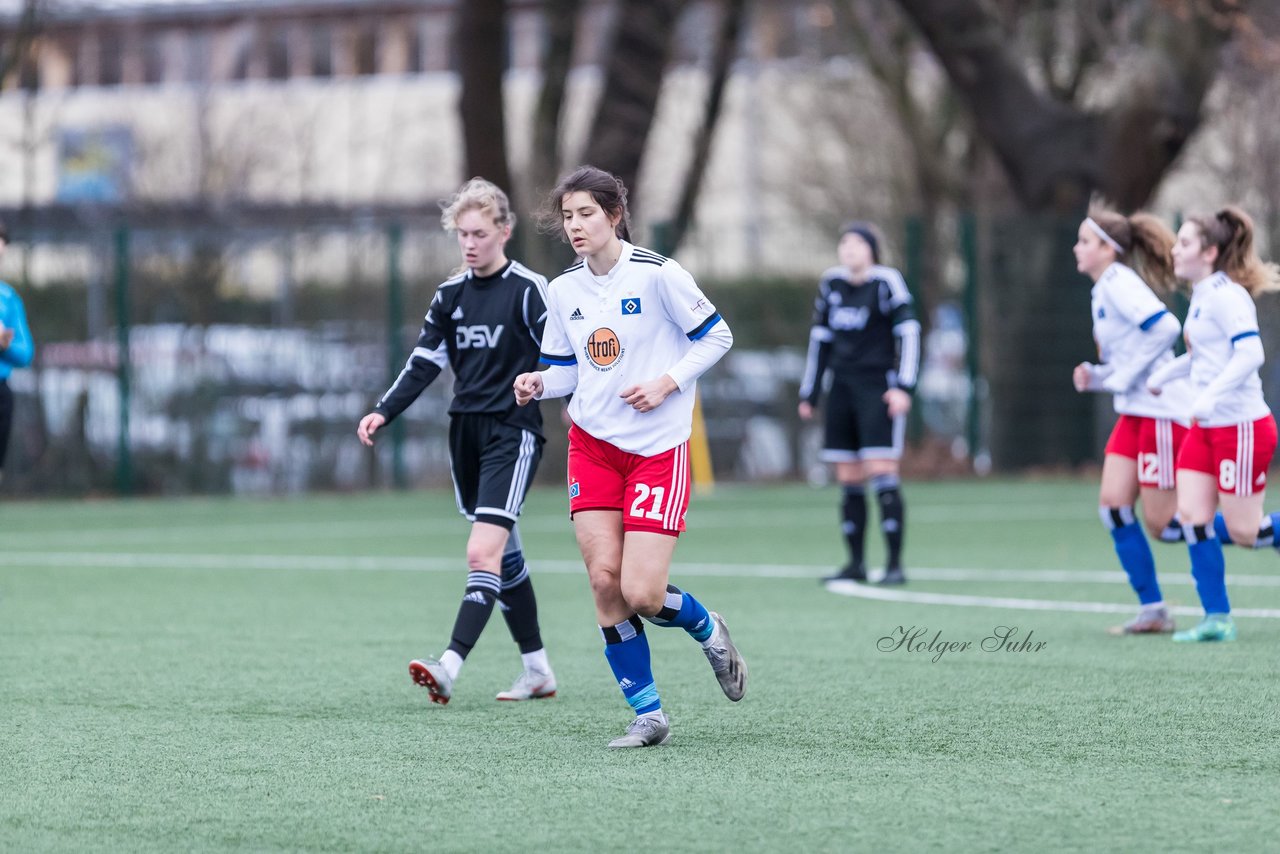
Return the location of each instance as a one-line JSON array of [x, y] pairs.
[[368, 426], [527, 387], [648, 396]]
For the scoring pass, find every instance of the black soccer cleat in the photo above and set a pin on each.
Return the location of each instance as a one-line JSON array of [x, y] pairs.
[[893, 575], [849, 573]]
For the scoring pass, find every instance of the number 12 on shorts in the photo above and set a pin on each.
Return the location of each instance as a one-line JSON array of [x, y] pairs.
[[643, 494]]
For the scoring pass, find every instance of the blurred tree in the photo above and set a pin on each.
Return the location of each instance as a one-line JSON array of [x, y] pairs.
[[723, 51], [15, 50], [543, 252], [1071, 99], [634, 70], [482, 59]]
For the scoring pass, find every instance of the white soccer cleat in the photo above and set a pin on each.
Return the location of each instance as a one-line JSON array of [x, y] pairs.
[[430, 674], [644, 731], [531, 685], [729, 666]]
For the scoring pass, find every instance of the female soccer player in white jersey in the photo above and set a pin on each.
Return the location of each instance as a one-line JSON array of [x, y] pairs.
[[865, 330], [486, 324], [1223, 462], [1134, 333], [628, 334]]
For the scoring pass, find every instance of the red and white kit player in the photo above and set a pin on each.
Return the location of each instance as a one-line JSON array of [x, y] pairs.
[[1135, 335]]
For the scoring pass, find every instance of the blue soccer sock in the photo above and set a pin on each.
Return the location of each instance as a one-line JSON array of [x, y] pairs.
[[1134, 552], [1266, 531], [1208, 568], [1220, 530], [627, 651], [682, 611]]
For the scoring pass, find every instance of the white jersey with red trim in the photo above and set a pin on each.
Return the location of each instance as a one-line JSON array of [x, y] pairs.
[[1125, 312], [627, 327], [1221, 313]]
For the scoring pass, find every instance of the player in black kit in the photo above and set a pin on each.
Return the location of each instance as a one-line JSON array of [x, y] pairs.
[[486, 324], [864, 330]]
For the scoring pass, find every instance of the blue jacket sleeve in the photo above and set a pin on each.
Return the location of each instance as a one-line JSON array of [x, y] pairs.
[[22, 349]]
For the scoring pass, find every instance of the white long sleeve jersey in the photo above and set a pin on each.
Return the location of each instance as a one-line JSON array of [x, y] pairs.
[[608, 333], [1126, 313], [1221, 313]]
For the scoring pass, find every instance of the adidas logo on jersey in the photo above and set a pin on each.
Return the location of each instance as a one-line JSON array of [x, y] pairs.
[[577, 315], [457, 314]]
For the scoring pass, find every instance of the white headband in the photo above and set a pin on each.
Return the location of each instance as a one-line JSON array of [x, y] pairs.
[[1106, 238]]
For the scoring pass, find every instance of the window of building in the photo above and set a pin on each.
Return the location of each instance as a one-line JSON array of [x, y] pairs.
[[277, 49], [153, 64], [365, 50], [110, 58], [198, 50], [414, 61], [322, 50]]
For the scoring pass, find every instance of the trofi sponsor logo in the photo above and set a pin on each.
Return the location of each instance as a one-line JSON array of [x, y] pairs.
[[603, 349]]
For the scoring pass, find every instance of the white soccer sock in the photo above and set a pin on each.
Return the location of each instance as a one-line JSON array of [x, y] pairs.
[[452, 663], [536, 660], [1153, 606]]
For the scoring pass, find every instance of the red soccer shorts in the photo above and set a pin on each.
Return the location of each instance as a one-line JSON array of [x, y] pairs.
[[652, 492], [1237, 455], [1153, 443]]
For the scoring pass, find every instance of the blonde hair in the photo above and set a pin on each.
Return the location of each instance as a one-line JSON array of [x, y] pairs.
[[477, 194], [1147, 243], [1231, 231]]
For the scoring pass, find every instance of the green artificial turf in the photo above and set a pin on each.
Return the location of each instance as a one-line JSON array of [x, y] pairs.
[[213, 675]]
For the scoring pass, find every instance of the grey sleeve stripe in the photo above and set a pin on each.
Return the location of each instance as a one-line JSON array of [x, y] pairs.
[[439, 357], [899, 293], [811, 363], [908, 333]]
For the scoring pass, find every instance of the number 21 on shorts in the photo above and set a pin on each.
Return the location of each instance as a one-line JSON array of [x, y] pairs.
[[652, 496]]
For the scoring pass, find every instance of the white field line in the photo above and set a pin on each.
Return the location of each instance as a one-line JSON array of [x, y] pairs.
[[451, 522], [332, 563], [864, 591]]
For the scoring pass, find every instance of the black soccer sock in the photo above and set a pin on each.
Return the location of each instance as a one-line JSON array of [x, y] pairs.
[[473, 613], [892, 516], [519, 605], [853, 512]]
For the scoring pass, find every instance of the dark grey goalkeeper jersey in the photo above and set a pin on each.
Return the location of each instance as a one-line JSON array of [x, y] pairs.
[[488, 329]]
